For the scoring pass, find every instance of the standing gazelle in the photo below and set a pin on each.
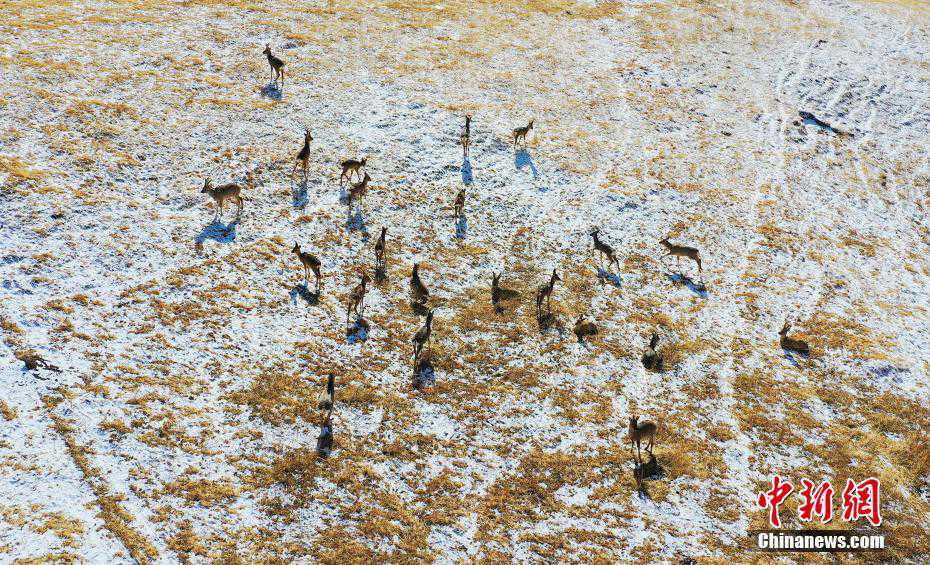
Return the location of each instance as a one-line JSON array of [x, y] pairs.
[[545, 292], [422, 335], [604, 250], [310, 262], [418, 293], [465, 139], [221, 194], [679, 251], [458, 208], [358, 190], [357, 298], [277, 65], [350, 166], [496, 291], [379, 251], [639, 432], [519, 134], [303, 156]]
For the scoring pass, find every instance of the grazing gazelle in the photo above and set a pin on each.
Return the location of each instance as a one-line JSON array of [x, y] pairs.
[[310, 262], [604, 250], [277, 65], [303, 157], [466, 137], [357, 297], [221, 194], [418, 293], [520, 134], [324, 443], [379, 250], [458, 209], [679, 251], [327, 398], [640, 432], [358, 190], [584, 328], [350, 167], [422, 335], [545, 292], [791, 344]]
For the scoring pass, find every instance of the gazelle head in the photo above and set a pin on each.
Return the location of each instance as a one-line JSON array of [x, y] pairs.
[[383, 231], [429, 317], [634, 421], [207, 186], [529, 126], [296, 248], [665, 241], [495, 278], [785, 328], [307, 137], [267, 50], [365, 279], [594, 232], [555, 276], [416, 269], [364, 160]]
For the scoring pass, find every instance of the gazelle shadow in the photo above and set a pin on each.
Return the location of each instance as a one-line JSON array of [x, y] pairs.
[[467, 177], [791, 357], [549, 321], [273, 91], [651, 470], [218, 231], [606, 276], [424, 375], [358, 331], [522, 159], [419, 309], [356, 222], [697, 288], [299, 197], [461, 227], [380, 274], [301, 291]]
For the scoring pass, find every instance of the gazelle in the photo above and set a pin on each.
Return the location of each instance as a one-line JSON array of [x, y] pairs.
[[422, 335], [357, 297], [458, 209], [327, 398], [679, 251], [651, 358], [584, 328], [418, 293], [358, 190], [545, 292], [791, 344], [466, 137], [379, 250], [496, 291], [520, 134], [303, 156], [639, 432], [604, 250], [277, 65], [221, 194], [310, 262], [350, 166]]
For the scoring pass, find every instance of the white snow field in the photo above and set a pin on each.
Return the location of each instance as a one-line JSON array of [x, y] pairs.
[[182, 423]]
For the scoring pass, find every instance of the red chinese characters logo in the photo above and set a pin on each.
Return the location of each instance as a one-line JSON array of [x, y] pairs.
[[860, 500]]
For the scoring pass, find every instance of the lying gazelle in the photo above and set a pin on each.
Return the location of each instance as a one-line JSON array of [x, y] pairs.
[[422, 335], [520, 134], [379, 251], [604, 250], [679, 251], [584, 328], [327, 398], [458, 209], [303, 157], [310, 262], [466, 137], [639, 432], [221, 194], [418, 293], [358, 190], [791, 344], [545, 292], [357, 298], [350, 167], [277, 65]]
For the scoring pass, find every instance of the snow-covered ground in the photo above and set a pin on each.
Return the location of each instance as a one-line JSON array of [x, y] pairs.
[[183, 422]]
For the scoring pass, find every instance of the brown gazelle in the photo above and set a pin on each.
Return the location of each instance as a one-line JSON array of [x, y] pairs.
[[458, 209], [350, 167], [519, 134], [358, 190], [679, 251], [277, 65], [422, 335], [496, 291], [791, 344], [303, 156], [327, 398], [584, 328], [357, 297], [221, 194], [310, 262], [466, 137], [604, 250], [640, 432], [545, 292], [418, 293], [651, 359], [380, 249]]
